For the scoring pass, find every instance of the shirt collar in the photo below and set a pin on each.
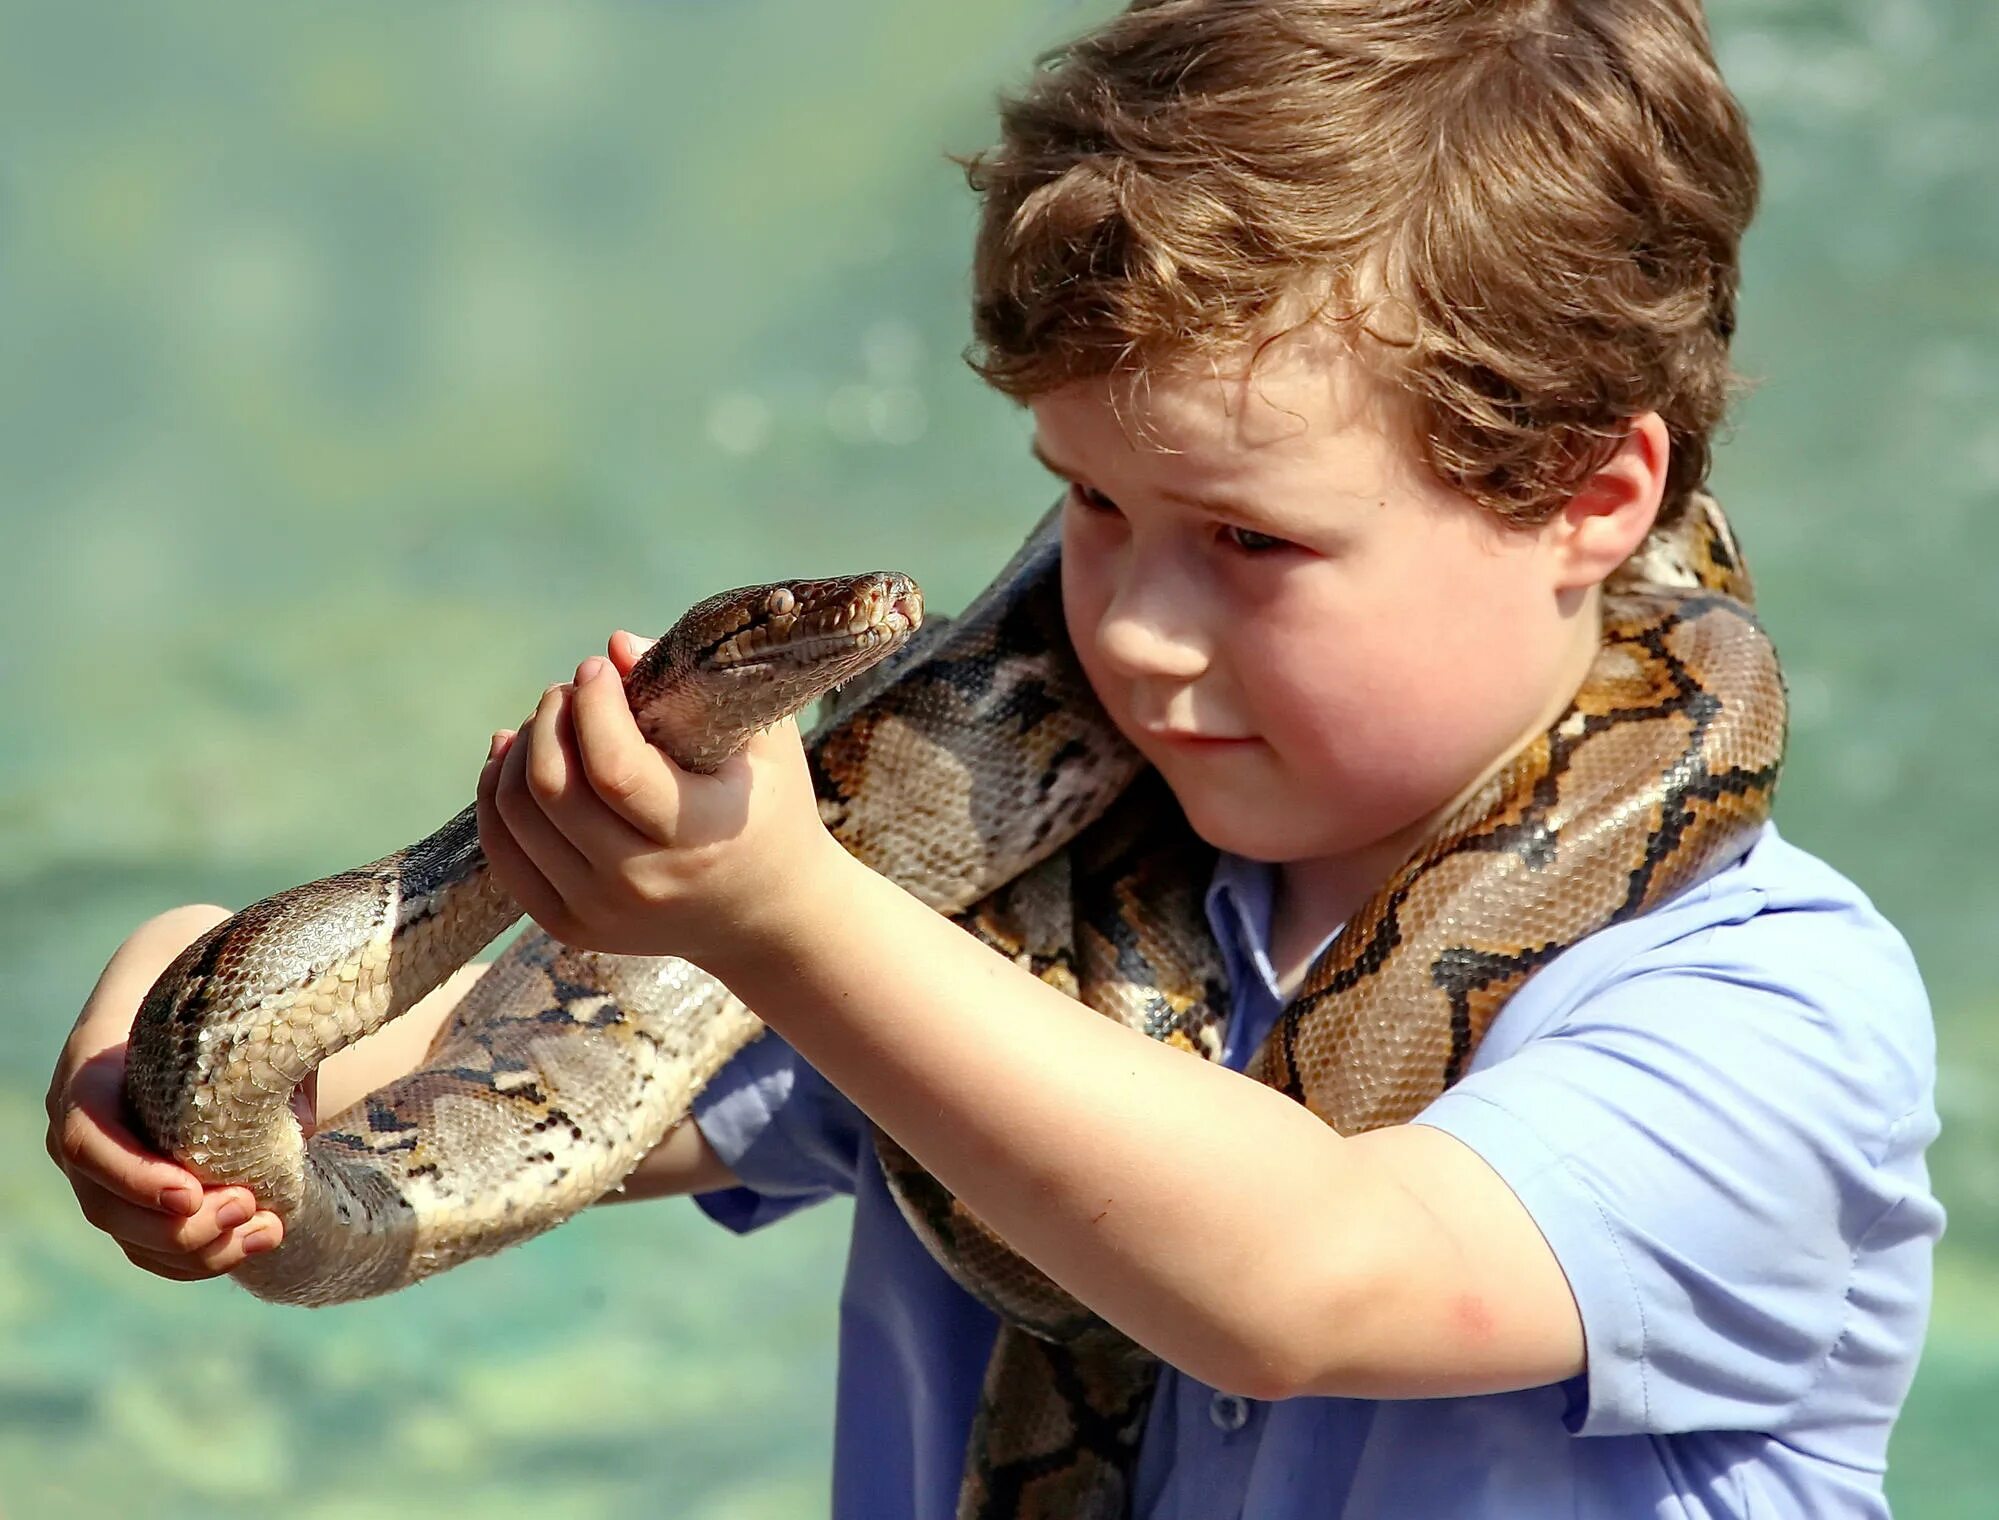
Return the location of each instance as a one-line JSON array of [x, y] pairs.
[[1240, 895], [1240, 898]]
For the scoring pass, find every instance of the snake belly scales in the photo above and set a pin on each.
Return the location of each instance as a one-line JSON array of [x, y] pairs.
[[972, 766]]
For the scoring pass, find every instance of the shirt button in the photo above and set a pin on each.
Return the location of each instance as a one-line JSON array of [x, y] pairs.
[[1228, 1412]]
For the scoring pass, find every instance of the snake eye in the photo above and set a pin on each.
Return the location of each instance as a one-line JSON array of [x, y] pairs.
[[780, 601]]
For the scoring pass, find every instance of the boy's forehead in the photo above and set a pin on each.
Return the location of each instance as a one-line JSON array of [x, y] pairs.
[[1304, 394]]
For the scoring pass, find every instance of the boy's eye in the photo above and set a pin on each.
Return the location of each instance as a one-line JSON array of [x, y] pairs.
[[1089, 500], [1250, 541]]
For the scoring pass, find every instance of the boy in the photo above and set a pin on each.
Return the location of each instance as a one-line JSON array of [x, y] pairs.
[[1370, 339]]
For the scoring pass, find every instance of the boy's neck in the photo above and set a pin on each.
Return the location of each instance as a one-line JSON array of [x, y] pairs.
[[1312, 898]]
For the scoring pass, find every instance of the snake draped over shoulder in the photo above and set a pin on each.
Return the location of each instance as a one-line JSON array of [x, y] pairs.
[[973, 767]]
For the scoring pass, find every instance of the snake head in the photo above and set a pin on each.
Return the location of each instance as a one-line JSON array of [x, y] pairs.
[[745, 659]]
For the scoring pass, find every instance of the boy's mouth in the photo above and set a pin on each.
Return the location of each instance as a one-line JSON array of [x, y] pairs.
[[1183, 737]]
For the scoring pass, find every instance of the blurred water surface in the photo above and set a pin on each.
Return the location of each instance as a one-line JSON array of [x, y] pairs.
[[363, 367]]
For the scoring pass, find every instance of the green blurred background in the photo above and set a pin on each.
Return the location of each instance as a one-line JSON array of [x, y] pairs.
[[362, 367]]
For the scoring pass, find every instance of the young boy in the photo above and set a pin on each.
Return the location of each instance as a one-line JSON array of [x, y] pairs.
[[1370, 338]]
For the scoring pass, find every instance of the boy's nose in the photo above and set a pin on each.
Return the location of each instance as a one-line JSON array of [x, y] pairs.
[[1151, 631]]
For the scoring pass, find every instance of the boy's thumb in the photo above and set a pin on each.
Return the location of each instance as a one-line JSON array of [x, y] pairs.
[[626, 649]]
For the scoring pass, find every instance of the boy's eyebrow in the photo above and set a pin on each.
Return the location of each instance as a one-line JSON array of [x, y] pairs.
[[1055, 467], [1213, 505]]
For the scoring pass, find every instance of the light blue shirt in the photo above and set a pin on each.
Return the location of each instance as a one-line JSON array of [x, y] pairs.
[[1715, 1113]]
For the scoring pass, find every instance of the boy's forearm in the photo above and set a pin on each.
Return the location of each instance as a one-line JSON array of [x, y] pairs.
[[683, 1162], [1163, 1191]]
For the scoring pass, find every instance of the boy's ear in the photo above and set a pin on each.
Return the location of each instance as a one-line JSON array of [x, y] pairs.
[[1603, 524]]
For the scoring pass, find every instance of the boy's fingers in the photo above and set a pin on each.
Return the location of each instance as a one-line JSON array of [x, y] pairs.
[[516, 870], [632, 778], [779, 745], [547, 757], [222, 1210], [222, 1255], [529, 784], [569, 800], [89, 1141], [264, 1232], [172, 1268], [778, 741]]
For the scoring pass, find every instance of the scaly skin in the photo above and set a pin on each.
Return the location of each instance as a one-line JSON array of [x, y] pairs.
[[486, 1145]]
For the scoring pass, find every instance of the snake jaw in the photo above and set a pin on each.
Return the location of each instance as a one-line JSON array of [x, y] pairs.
[[802, 623], [906, 609], [885, 609]]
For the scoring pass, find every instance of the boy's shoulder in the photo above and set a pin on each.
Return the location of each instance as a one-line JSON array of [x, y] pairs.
[[1781, 933], [1779, 908], [1716, 1114]]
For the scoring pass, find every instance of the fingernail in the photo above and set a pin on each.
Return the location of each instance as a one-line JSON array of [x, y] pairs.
[[233, 1213], [493, 745], [181, 1200], [261, 1242], [590, 669]]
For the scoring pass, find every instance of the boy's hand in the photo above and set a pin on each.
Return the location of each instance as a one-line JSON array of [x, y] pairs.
[[608, 845], [158, 1212]]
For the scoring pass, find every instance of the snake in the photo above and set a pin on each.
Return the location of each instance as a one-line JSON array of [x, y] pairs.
[[967, 760]]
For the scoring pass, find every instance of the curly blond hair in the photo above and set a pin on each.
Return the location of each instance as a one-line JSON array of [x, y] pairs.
[[1532, 208]]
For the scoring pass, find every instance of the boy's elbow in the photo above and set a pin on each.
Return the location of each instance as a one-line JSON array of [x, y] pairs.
[[1265, 1375], [1288, 1346]]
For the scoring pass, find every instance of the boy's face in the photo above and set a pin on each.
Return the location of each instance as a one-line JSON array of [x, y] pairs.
[[1317, 644]]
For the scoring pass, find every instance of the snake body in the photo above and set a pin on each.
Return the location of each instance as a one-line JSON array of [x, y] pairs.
[[973, 767], [554, 1075]]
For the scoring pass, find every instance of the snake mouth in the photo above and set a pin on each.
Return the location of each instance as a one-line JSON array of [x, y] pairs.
[[800, 654], [305, 1109]]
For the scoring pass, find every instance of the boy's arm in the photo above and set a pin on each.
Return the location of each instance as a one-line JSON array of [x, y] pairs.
[[1696, 1190], [156, 1211], [1215, 1221], [683, 1162]]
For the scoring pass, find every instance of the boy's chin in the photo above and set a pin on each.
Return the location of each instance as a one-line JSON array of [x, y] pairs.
[[1275, 839], [1237, 832]]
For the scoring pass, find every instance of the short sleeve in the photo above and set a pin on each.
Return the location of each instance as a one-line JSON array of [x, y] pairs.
[[790, 1136], [1715, 1143]]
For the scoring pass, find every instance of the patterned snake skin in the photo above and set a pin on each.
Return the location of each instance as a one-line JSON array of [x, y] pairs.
[[555, 1074], [973, 767]]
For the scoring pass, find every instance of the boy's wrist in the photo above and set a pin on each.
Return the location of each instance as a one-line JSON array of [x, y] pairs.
[[808, 918]]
